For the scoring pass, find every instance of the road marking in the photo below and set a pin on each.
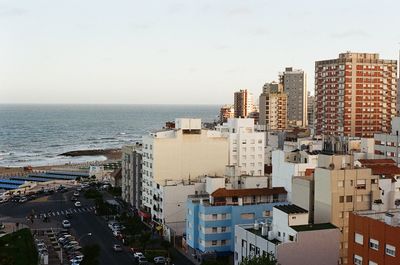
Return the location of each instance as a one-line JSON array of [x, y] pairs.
[[75, 210], [54, 214], [62, 212]]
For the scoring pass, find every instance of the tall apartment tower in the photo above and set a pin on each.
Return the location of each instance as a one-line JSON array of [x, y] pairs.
[[355, 94], [310, 110], [273, 107], [294, 83], [243, 103]]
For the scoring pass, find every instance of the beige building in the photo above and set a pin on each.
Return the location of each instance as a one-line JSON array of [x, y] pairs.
[[355, 94], [175, 156], [340, 189], [226, 112], [273, 107], [243, 103]]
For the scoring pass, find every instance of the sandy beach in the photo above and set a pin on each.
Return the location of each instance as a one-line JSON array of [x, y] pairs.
[[110, 154]]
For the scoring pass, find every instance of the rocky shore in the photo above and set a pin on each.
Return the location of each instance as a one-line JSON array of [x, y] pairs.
[[111, 154]]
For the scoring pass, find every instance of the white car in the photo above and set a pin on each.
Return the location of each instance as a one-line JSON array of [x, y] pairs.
[[76, 193], [117, 233], [66, 224], [160, 260], [78, 204], [138, 255]]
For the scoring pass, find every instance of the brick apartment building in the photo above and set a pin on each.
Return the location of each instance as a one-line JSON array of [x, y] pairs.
[[355, 94]]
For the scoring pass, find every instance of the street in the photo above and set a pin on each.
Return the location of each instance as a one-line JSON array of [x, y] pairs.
[[83, 221]]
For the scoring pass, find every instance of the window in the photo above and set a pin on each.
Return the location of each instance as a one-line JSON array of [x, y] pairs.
[[340, 183], [357, 260], [214, 216], [223, 216], [341, 199], [214, 230], [214, 242], [349, 198], [291, 238], [373, 244], [372, 263], [223, 229], [247, 215], [390, 250], [223, 242], [358, 238]]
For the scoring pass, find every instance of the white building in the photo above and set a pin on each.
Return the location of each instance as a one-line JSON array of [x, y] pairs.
[[287, 165], [246, 146], [289, 238], [387, 145], [178, 155]]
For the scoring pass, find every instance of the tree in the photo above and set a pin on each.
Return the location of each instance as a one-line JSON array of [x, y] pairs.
[[144, 239], [91, 253], [260, 260]]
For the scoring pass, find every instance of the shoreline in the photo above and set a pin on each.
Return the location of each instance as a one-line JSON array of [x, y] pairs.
[[110, 154]]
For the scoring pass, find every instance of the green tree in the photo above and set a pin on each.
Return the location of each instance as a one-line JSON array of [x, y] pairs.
[[144, 239], [91, 253], [260, 260]]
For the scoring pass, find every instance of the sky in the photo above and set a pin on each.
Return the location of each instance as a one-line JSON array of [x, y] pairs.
[[177, 52]]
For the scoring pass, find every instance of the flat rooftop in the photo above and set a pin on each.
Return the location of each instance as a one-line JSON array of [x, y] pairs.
[[312, 227], [291, 209]]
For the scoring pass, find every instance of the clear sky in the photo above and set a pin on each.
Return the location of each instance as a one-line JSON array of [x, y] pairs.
[[177, 52]]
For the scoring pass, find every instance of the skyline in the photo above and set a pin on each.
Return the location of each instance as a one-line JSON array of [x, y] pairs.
[[180, 52]]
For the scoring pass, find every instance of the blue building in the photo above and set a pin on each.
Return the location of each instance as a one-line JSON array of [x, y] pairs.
[[211, 219]]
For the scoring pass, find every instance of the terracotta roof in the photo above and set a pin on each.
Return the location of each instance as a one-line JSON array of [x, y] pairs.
[[387, 170], [366, 162], [223, 192]]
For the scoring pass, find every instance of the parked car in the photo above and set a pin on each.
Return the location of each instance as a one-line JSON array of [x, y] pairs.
[[66, 224], [160, 260], [117, 233], [76, 194], [138, 255], [143, 260], [23, 199], [73, 198], [78, 204], [111, 224], [117, 248]]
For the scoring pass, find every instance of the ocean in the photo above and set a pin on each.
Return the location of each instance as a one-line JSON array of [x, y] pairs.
[[36, 134]]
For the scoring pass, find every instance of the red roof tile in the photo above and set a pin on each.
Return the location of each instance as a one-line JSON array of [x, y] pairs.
[[223, 192], [387, 170], [366, 162]]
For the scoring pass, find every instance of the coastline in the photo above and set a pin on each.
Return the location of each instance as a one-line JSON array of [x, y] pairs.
[[110, 154]]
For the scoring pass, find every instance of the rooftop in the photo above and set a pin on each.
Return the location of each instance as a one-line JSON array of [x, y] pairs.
[[311, 227], [386, 170], [367, 162], [291, 209], [223, 192], [391, 217]]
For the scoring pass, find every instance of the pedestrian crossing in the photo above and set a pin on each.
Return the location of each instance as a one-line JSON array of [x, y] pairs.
[[64, 212]]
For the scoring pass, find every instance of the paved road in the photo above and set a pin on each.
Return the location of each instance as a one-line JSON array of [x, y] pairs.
[[83, 221]]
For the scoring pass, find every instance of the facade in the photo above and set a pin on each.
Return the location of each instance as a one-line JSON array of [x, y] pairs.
[[341, 188], [387, 145], [246, 146], [273, 107], [226, 112], [374, 238], [132, 174], [355, 95], [243, 103], [176, 155], [289, 237], [211, 219], [295, 86]]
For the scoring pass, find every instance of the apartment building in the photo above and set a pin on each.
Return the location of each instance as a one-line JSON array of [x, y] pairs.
[[246, 146], [355, 94], [387, 144], [340, 188], [294, 83], [226, 112], [179, 154], [132, 174], [374, 238], [211, 219], [243, 103], [289, 237], [310, 110], [273, 107]]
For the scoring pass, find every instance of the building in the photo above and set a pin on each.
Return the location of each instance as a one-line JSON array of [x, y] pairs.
[[226, 112], [211, 219], [289, 237], [310, 110], [273, 107], [389, 174], [387, 145], [295, 86], [176, 155], [341, 188], [243, 103], [355, 94], [288, 165], [246, 146], [374, 238], [132, 174]]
